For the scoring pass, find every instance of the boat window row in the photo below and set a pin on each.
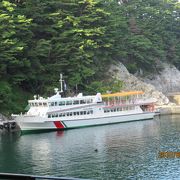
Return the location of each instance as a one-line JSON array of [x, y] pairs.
[[107, 110], [76, 113], [71, 102], [35, 104]]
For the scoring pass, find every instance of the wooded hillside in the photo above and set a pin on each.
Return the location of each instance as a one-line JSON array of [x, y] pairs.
[[81, 38]]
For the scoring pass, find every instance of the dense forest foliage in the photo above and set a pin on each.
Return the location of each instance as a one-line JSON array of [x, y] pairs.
[[81, 39]]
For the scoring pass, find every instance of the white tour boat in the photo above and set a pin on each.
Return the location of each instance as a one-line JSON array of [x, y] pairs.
[[60, 113]]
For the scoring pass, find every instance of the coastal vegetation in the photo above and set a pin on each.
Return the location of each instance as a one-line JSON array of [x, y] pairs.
[[81, 39]]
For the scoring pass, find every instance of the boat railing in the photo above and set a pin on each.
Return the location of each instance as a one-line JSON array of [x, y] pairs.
[[137, 101], [113, 103], [25, 114], [12, 176]]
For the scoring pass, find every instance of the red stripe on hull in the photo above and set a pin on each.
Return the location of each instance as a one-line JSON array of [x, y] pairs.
[[58, 124]]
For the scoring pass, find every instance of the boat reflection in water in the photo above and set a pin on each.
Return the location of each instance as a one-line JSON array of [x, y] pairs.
[[119, 151]]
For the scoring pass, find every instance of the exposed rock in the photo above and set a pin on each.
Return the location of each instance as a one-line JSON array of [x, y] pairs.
[[3, 118], [131, 82], [167, 80], [174, 98], [7, 125]]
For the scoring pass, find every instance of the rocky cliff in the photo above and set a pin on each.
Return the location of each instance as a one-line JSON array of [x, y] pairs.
[[131, 82], [3, 118], [166, 81]]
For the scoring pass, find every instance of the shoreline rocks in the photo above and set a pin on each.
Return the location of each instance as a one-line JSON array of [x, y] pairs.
[[169, 110], [3, 118], [7, 125]]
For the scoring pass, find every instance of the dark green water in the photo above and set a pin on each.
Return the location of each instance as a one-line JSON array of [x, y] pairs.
[[125, 151]]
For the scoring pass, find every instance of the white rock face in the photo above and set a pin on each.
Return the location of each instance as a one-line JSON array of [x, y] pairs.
[[131, 83], [3, 118], [167, 81]]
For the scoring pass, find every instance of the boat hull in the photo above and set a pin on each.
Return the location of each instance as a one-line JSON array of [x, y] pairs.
[[38, 124]]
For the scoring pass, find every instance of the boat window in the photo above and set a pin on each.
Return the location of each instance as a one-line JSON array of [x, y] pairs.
[[40, 104], [35, 104], [61, 103], [49, 115], [56, 115], [74, 113], [82, 102], [44, 104], [68, 102], [67, 113], [63, 114], [77, 113], [91, 111], [85, 112], [76, 102], [89, 101], [52, 103], [55, 103], [70, 113], [81, 113], [106, 110], [53, 115]]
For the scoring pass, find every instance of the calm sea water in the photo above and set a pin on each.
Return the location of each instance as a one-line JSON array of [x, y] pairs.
[[124, 151]]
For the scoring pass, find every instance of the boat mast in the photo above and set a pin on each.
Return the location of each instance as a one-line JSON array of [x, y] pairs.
[[61, 83]]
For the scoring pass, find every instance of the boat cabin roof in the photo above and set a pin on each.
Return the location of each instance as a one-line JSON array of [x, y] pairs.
[[130, 93], [58, 98], [71, 98]]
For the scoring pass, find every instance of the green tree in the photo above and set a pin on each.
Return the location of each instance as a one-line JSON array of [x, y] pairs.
[[152, 33], [12, 31], [68, 37], [81, 39]]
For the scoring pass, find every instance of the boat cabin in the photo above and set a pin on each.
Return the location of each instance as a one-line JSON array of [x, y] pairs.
[[66, 102], [122, 98]]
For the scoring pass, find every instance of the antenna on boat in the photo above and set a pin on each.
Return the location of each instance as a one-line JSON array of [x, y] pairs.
[[61, 83]]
